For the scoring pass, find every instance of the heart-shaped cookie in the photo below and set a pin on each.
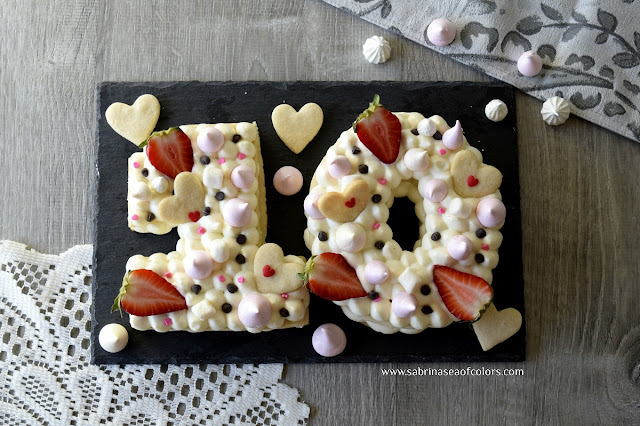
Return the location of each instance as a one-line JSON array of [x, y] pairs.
[[496, 326], [134, 122], [297, 128], [186, 203], [347, 205], [274, 273], [473, 179]]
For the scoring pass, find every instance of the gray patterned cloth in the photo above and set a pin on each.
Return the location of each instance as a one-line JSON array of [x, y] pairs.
[[590, 49]]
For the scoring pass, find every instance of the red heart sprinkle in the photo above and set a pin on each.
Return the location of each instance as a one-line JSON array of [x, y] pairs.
[[194, 216], [472, 181], [350, 203], [268, 271]]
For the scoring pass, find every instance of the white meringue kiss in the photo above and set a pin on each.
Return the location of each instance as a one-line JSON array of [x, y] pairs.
[[433, 190], [113, 338], [198, 264], [416, 159], [427, 127], [459, 208], [376, 272], [351, 237], [160, 184]]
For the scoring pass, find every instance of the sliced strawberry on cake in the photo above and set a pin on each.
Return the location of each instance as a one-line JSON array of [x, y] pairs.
[[145, 293], [466, 296], [170, 151], [380, 131], [330, 277]]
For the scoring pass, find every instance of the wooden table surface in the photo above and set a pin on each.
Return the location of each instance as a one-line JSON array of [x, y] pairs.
[[580, 204]]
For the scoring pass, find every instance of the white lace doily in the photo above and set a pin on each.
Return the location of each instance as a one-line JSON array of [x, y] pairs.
[[46, 376]]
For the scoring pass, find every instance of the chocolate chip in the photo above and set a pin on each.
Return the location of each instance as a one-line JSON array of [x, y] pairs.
[[241, 239], [226, 308], [481, 233], [205, 160], [322, 236], [219, 195], [355, 150], [373, 295], [435, 236], [437, 135], [240, 259], [425, 289], [144, 172], [232, 288], [379, 245], [479, 258], [236, 138], [426, 309], [196, 288], [363, 168], [376, 198], [150, 217], [284, 312], [415, 132], [206, 211]]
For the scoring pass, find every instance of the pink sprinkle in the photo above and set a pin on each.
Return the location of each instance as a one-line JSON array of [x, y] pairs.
[[168, 274], [376, 225], [221, 160], [241, 156], [136, 164], [382, 181], [485, 247], [377, 299], [221, 278], [168, 321], [201, 230], [443, 151], [134, 217], [284, 295], [240, 280], [441, 210]]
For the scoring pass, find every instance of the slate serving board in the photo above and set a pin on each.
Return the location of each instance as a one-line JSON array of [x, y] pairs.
[[199, 102]]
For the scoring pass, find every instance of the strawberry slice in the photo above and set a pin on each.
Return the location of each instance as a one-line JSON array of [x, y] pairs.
[[380, 131], [466, 296], [330, 277], [170, 151], [144, 293]]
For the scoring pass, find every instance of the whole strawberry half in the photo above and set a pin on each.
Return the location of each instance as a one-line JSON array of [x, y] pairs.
[[466, 296], [144, 293], [380, 131], [170, 151], [330, 277]]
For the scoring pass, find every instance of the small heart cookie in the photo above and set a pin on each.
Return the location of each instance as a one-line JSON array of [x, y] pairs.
[[275, 273], [347, 205], [473, 179], [136, 122], [496, 326], [186, 203], [297, 129]]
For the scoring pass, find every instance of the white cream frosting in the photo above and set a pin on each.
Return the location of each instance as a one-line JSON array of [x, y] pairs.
[[408, 271], [206, 296]]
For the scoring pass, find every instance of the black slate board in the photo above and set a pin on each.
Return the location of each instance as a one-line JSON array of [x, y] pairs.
[[199, 102]]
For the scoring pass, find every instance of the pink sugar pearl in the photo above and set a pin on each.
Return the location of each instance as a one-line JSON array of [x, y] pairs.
[[241, 280], [168, 321]]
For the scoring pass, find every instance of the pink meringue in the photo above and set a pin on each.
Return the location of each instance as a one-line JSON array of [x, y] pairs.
[[236, 212], [376, 272], [339, 166], [210, 140], [311, 206], [441, 32], [404, 304], [351, 237], [491, 212], [416, 159], [529, 64], [288, 180], [459, 247], [452, 138], [329, 340], [254, 311], [198, 264], [242, 176], [433, 190]]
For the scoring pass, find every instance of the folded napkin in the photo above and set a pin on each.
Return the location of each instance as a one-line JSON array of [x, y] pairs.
[[591, 50]]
